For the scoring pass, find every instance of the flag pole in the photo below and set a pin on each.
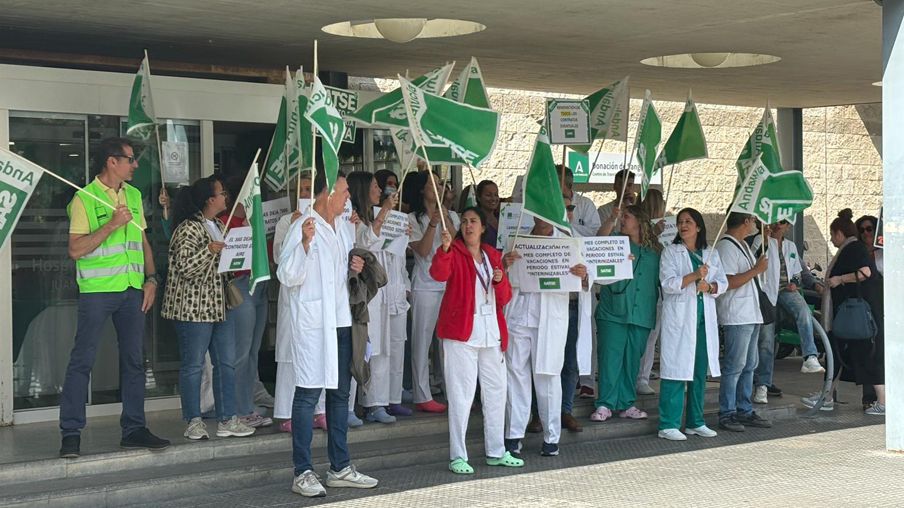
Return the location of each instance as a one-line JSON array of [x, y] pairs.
[[625, 163], [236, 203], [313, 142], [157, 130], [86, 193], [562, 176], [597, 158], [722, 227], [668, 192], [439, 203], [402, 180]]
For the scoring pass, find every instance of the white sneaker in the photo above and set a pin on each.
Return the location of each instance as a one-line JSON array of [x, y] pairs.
[[810, 402], [703, 431], [234, 428], [265, 400], [308, 485], [759, 395], [875, 409], [196, 429], [672, 435], [811, 366], [644, 389], [349, 477]]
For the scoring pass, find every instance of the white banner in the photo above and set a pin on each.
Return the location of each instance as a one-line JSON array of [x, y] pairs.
[[606, 257], [175, 161], [237, 253], [508, 221], [394, 233], [545, 264], [669, 231], [273, 210]]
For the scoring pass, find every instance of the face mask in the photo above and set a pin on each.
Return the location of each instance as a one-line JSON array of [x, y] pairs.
[[389, 190]]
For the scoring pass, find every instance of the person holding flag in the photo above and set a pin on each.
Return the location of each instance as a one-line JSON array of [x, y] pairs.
[[624, 194]]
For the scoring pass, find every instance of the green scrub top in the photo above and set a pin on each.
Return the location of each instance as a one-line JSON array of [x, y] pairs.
[[633, 301]]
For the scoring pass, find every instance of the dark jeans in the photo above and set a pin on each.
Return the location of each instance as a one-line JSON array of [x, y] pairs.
[[570, 367], [128, 320], [336, 414]]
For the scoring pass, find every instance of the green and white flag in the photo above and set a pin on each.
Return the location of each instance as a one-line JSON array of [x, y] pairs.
[[649, 134], [328, 123], [389, 110], [18, 179], [304, 129], [469, 87], [608, 114], [762, 144], [469, 132], [687, 141], [772, 197], [250, 198], [281, 151], [542, 195], [142, 119], [471, 200]]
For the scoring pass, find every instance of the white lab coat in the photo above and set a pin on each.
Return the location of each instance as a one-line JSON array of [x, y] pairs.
[[309, 310], [678, 334], [772, 275], [586, 218], [585, 302]]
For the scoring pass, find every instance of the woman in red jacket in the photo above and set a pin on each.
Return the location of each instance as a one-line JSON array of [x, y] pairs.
[[474, 333]]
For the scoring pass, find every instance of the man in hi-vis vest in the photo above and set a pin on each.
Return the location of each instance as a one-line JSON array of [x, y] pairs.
[[116, 277]]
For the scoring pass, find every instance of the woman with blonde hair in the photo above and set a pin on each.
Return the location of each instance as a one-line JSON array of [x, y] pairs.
[[654, 206]]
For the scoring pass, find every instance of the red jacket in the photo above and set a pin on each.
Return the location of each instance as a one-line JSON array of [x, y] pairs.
[[456, 312]]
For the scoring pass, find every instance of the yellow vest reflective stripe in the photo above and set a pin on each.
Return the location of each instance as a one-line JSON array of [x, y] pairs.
[[118, 262]]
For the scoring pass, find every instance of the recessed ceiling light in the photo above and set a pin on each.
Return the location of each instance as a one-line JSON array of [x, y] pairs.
[[710, 60], [404, 29]]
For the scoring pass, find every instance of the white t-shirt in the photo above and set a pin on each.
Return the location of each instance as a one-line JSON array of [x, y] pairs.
[[485, 331], [740, 306], [586, 218], [420, 276], [212, 229]]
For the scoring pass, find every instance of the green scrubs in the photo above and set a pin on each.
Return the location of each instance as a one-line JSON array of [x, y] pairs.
[[624, 317], [671, 392]]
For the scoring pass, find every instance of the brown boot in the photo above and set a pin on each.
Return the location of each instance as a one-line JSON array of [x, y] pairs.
[[535, 426], [568, 422]]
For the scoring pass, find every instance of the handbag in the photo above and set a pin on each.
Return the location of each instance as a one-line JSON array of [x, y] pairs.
[[766, 307], [233, 296], [854, 318]]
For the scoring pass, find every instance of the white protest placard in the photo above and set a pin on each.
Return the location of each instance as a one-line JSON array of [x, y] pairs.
[[393, 233], [508, 221], [343, 218], [272, 211], [545, 264], [606, 257], [568, 121], [237, 253], [669, 231], [175, 161]]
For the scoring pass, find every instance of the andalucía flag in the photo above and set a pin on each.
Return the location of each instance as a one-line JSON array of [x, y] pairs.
[[469, 87], [649, 134], [328, 122], [389, 111], [772, 197], [142, 119], [608, 114], [687, 141], [283, 149], [762, 144], [250, 198], [542, 195], [18, 179]]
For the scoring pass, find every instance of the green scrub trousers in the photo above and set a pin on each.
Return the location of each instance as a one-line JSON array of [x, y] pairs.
[[619, 347]]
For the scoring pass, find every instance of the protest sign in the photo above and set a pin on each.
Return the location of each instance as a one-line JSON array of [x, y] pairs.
[[393, 234], [545, 264], [669, 230], [508, 221], [272, 211], [606, 257], [237, 253]]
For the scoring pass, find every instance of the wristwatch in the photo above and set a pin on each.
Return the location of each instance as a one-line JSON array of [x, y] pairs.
[[153, 279]]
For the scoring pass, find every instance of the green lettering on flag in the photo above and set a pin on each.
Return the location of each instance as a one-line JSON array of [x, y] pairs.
[[328, 123], [542, 195], [550, 283], [608, 114], [250, 198], [389, 111], [687, 141], [762, 144], [772, 197], [285, 145], [18, 179], [647, 143], [469, 88], [142, 120]]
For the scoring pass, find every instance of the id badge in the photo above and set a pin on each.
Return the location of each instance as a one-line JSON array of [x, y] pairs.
[[486, 310]]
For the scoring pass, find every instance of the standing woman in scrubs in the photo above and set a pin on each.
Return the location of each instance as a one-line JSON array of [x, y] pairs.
[[624, 317], [689, 336], [474, 337]]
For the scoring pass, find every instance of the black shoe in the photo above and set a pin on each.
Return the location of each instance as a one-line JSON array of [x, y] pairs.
[[773, 391], [535, 426], [754, 420], [513, 446], [142, 438], [70, 448], [730, 423], [549, 449]]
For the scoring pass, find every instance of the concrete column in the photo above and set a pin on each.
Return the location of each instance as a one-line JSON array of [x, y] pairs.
[[6, 309], [790, 130], [893, 200], [206, 148]]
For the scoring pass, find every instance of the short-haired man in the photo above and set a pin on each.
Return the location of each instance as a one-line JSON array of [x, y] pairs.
[[116, 277], [605, 211], [586, 219]]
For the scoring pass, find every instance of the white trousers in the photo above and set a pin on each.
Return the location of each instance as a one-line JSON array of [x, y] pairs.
[[646, 361], [520, 357], [387, 368], [285, 393], [424, 312], [464, 365]]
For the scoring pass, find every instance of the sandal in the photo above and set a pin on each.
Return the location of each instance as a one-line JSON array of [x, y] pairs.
[[459, 466], [633, 413], [601, 414], [506, 460]]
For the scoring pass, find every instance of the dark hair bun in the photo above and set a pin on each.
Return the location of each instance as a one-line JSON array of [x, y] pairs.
[[846, 214]]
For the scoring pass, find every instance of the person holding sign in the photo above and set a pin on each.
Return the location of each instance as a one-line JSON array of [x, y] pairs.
[[195, 300], [474, 338], [625, 315], [426, 292], [689, 337], [538, 335]]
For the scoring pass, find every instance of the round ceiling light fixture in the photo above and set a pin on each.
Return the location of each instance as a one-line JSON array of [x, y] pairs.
[[710, 60], [403, 30]]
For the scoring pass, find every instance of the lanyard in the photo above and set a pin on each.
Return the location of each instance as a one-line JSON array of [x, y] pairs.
[[485, 284]]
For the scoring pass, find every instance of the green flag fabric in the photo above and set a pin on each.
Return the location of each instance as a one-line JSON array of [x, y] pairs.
[[304, 128], [608, 114], [772, 197], [276, 165], [18, 179], [469, 87], [649, 134], [328, 123], [687, 141], [762, 144], [250, 198], [469, 132], [542, 195], [142, 120], [389, 110], [471, 200]]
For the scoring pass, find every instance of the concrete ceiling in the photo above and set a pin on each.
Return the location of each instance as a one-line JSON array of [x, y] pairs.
[[830, 49]]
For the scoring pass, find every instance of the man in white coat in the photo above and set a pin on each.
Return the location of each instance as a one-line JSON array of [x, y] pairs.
[[313, 266]]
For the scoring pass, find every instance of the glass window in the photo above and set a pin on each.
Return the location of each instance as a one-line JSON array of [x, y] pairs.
[[351, 155], [385, 155]]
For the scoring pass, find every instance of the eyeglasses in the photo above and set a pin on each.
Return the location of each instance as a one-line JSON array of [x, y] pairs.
[[124, 156], [223, 193], [866, 229], [570, 208]]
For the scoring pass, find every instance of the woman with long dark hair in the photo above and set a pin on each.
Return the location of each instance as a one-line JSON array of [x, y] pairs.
[[488, 201]]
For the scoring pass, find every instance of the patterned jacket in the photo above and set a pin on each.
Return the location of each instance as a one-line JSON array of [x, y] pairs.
[[194, 290]]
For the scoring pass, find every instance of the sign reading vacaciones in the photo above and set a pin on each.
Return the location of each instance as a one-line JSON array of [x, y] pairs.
[[545, 264], [568, 121], [606, 257], [346, 102]]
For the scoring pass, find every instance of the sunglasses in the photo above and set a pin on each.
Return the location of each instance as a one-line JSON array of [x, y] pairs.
[[570, 208], [124, 156], [866, 229]]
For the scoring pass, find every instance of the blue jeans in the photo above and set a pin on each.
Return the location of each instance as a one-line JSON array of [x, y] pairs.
[[762, 376], [794, 304], [336, 414], [250, 319], [741, 356], [570, 367], [93, 311], [196, 339]]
